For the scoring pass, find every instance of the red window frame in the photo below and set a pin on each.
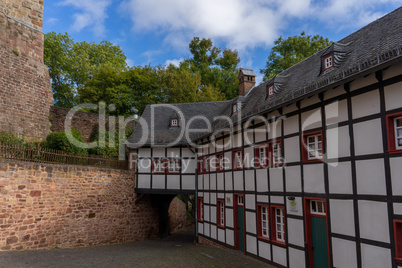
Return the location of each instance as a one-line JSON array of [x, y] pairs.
[[392, 148], [154, 165], [217, 163], [325, 62], [220, 207], [274, 225], [259, 222], [398, 239], [271, 153], [257, 155], [168, 165], [174, 124], [234, 158], [269, 91], [234, 108], [200, 211], [305, 146]]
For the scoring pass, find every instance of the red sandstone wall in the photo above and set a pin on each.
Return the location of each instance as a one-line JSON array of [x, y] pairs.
[[44, 206], [26, 11], [177, 215]]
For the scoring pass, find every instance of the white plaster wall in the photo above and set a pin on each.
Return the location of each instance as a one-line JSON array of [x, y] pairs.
[[290, 108], [229, 217], [158, 152], [212, 180], [187, 152], [228, 142], [393, 96], [228, 160], [250, 185], [230, 237], [332, 93], [309, 101], [173, 182], [228, 181], [314, 178], [188, 182], [291, 125], [188, 166], [262, 180], [173, 152], [251, 222], [279, 255], [295, 232], [293, 179], [277, 200], [398, 208], [370, 176], [375, 257], [276, 179], [359, 83], [264, 250], [144, 165], [260, 134], [396, 177], [299, 203], [213, 232], [311, 119], [158, 182], [338, 142], [342, 217], [366, 104], [237, 140], [213, 212], [374, 216], [248, 156], [250, 201], [206, 212], [251, 244], [207, 229], [340, 178], [249, 137], [292, 149], [344, 253], [212, 147], [275, 130], [238, 181], [221, 195], [206, 197], [144, 152], [213, 199], [296, 258], [392, 71], [263, 199], [219, 145], [336, 112], [220, 181], [200, 228], [368, 137], [144, 181], [229, 200], [201, 182], [221, 235], [206, 181], [212, 163]]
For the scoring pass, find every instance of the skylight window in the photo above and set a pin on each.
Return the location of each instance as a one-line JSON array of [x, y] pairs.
[[328, 62]]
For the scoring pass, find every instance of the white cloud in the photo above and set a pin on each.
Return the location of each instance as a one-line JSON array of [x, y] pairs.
[[244, 24], [175, 62], [92, 14], [130, 62]]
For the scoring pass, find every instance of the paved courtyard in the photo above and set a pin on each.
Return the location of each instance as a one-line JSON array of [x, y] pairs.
[[177, 250]]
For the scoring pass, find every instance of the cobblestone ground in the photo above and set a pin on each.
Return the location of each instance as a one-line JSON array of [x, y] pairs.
[[177, 250]]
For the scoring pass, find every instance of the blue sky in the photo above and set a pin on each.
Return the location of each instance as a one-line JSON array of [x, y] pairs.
[[159, 31]]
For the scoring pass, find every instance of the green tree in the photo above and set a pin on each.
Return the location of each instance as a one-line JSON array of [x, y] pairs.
[[288, 52]]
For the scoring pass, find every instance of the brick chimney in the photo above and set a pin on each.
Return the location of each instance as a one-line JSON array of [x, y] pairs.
[[246, 81]]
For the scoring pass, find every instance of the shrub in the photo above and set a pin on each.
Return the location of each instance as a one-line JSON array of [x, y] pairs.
[[59, 141], [11, 138]]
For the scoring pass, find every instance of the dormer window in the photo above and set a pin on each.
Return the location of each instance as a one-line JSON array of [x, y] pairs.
[[270, 90], [174, 122], [328, 62], [234, 108]]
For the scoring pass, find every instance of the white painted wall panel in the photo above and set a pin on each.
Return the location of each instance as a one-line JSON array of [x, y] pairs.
[[187, 152], [293, 179], [229, 217], [221, 235], [158, 152], [314, 178], [359, 83], [251, 222], [188, 166], [144, 165], [238, 181], [342, 217], [221, 196], [290, 108], [374, 216], [206, 198], [214, 232], [248, 137], [336, 112], [299, 206], [230, 237], [340, 178], [309, 101], [396, 171], [251, 244], [250, 180], [212, 147], [344, 253], [173, 152], [220, 181], [393, 96], [260, 134], [311, 119], [173, 182], [275, 130], [262, 180], [206, 212], [219, 145], [375, 257], [188, 182], [277, 199], [292, 149], [206, 181], [332, 93], [296, 232], [366, 104], [276, 179], [338, 142], [370, 176], [250, 201], [237, 140], [248, 157], [228, 181], [212, 181], [213, 199], [144, 181], [291, 125], [262, 199], [213, 211], [368, 137], [201, 182], [158, 182], [392, 71], [264, 250], [398, 208], [279, 255], [200, 228], [228, 160], [296, 258], [144, 152], [207, 229]]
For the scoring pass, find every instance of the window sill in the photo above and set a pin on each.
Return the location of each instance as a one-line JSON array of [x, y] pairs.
[[282, 244], [221, 227], [395, 151], [313, 160], [263, 239]]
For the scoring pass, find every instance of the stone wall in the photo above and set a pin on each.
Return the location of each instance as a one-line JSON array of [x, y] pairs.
[[47, 206], [178, 216], [25, 91]]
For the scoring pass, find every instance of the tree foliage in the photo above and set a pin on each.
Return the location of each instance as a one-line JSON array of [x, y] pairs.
[[288, 52]]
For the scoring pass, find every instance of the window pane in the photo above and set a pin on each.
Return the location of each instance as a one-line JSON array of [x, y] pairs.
[[399, 132], [400, 142], [398, 122]]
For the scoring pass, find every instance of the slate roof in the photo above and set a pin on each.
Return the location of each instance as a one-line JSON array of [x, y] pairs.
[[245, 71], [369, 49]]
